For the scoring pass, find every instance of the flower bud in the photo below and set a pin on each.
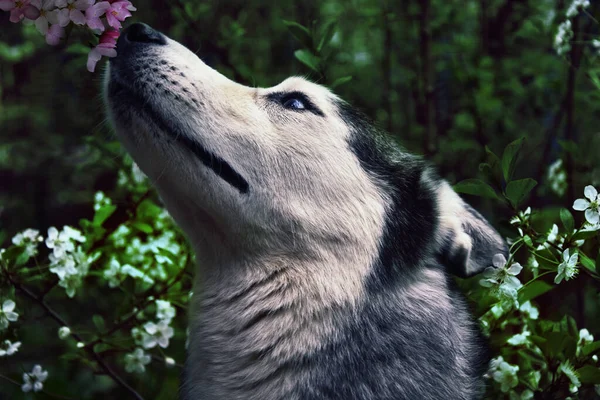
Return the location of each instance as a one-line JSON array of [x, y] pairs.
[[64, 332]]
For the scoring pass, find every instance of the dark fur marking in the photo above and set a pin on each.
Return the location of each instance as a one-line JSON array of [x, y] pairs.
[[210, 160], [412, 218]]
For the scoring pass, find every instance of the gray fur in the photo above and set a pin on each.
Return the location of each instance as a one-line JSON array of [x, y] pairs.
[[324, 251]]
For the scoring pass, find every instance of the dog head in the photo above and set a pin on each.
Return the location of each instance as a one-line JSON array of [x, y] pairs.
[[280, 170]]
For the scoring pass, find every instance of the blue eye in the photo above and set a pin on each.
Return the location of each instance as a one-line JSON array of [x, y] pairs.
[[294, 104]]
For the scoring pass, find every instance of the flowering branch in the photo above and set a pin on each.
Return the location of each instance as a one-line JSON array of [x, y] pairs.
[[54, 18], [89, 349]]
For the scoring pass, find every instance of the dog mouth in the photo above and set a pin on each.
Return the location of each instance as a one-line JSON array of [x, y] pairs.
[[218, 165]]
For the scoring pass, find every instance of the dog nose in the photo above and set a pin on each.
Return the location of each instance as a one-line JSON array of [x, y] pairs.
[[142, 33]]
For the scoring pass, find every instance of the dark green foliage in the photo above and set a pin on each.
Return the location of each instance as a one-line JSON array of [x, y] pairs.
[[476, 86]]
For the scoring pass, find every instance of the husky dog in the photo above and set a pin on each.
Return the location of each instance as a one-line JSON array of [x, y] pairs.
[[324, 251]]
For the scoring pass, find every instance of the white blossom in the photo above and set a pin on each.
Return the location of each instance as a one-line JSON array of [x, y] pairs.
[[562, 40], [9, 348], [29, 239], [100, 201], [521, 219], [71, 268], [62, 266], [591, 205], [585, 337], [63, 242], [502, 277], [530, 310], [520, 338], [557, 177], [34, 380], [157, 334], [7, 314], [504, 373], [115, 273], [568, 268], [575, 7], [551, 237], [164, 311], [136, 361]]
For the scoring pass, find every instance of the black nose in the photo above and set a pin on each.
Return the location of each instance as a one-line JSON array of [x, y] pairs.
[[142, 33]]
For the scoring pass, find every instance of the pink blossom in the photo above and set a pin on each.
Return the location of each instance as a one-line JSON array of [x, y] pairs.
[[119, 10], [18, 9], [72, 10], [55, 34], [93, 14], [106, 47], [47, 14]]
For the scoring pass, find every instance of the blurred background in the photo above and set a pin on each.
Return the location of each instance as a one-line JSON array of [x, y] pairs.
[[446, 78]]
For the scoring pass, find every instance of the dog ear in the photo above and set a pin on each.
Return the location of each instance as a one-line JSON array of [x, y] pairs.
[[467, 241]]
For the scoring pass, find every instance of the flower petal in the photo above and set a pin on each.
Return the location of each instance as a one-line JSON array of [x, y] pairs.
[[42, 25], [590, 192], [592, 216], [16, 15], [77, 17], [499, 260], [7, 5], [31, 12], [8, 305], [12, 316], [515, 269], [83, 4], [63, 20], [581, 204]]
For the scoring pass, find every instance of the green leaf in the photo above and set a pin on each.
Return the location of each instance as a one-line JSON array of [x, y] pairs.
[[556, 342], [568, 146], [476, 187], [533, 290], [567, 219], [148, 210], [589, 374], [587, 262], [103, 214], [528, 241], [301, 33], [77, 48], [98, 321], [141, 226], [102, 347], [583, 235], [309, 59], [517, 191], [509, 158], [591, 348], [328, 32], [494, 173], [22, 259], [340, 81]]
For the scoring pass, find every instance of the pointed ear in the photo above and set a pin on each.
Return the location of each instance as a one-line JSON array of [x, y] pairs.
[[467, 241]]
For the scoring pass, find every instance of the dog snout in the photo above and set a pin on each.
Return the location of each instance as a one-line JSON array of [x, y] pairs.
[[142, 33], [139, 36]]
